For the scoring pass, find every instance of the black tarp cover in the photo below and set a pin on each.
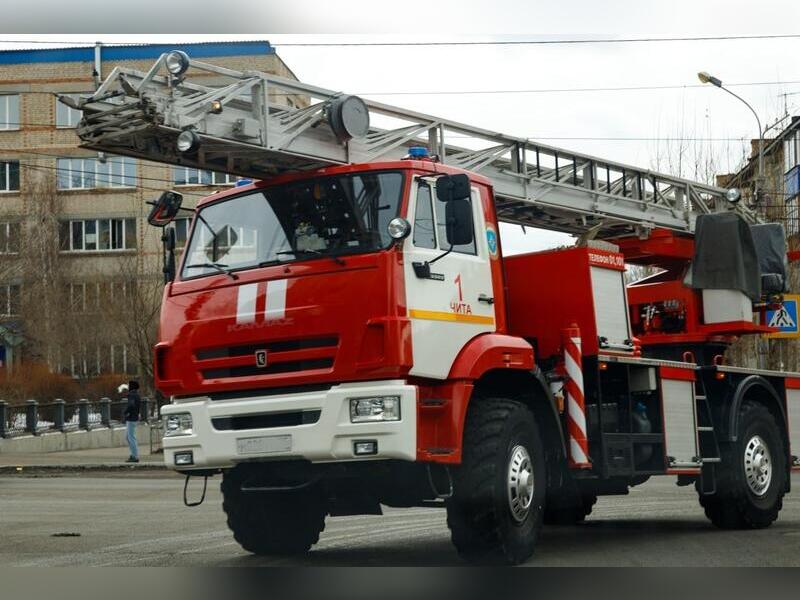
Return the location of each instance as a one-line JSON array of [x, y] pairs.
[[770, 242], [725, 255]]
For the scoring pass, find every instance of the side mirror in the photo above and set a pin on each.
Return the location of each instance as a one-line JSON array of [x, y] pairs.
[[458, 222], [165, 209], [452, 187]]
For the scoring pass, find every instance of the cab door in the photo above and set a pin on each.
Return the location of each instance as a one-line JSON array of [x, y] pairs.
[[455, 301]]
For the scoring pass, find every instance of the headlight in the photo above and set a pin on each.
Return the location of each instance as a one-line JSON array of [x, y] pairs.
[[178, 424], [380, 408], [177, 62]]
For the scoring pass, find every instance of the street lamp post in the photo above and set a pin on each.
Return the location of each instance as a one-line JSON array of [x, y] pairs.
[[706, 78]]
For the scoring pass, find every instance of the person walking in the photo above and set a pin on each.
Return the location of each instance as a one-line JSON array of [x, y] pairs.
[[132, 409]]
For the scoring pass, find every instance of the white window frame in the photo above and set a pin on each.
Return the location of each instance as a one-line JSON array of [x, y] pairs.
[[227, 178], [6, 123], [102, 174], [125, 245], [5, 176], [5, 300], [73, 115], [8, 226]]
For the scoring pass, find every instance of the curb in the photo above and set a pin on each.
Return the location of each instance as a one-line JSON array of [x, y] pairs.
[[96, 467]]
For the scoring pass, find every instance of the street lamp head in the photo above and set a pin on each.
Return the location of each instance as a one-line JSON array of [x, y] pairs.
[[706, 78]]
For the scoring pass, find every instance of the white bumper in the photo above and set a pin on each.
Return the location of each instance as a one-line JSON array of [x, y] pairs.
[[330, 439]]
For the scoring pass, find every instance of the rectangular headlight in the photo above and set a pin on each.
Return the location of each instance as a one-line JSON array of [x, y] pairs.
[[178, 424], [377, 408]]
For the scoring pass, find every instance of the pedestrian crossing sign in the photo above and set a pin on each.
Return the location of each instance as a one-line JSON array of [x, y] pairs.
[[784, 318]]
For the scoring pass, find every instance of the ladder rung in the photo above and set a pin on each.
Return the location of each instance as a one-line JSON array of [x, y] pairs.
[[700, 398], [711, 460], [705, 429]]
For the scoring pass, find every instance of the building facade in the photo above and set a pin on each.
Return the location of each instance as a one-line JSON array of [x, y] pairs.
[[80, 268]]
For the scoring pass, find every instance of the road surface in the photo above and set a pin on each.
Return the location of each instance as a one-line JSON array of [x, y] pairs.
[[139, 519]]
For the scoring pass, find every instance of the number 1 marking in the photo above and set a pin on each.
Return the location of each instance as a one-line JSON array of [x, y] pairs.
[[458, 283]]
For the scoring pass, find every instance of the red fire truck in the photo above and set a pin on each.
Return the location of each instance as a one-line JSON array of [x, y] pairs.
[[342, 335]]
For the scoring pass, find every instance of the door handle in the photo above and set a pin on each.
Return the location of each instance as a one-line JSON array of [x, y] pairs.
[[485, 298]]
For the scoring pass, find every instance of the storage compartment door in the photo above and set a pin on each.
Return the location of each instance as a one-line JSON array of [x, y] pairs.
[[793, 416], [610, 306], [680, 430]]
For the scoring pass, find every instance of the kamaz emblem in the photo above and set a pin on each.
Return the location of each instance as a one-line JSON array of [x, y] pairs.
[[261, 358]]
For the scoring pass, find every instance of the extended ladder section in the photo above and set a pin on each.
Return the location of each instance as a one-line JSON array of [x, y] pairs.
[[257, 125]]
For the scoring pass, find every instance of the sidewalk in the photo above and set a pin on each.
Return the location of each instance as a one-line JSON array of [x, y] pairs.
[[77, 460]]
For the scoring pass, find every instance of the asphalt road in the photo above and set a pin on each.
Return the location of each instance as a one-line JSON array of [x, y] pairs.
[[140, 520]]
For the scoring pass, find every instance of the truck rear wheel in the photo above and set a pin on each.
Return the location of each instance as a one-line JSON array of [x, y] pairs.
[[751, 479], [272, 523], [495, 513]]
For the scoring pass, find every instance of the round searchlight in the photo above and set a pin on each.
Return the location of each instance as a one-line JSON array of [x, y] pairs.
[[348, 117], [398, 228], [188, 141], [177, 62], [733, 195]]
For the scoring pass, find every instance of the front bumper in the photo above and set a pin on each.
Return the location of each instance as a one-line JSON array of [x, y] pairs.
[[329, 439]]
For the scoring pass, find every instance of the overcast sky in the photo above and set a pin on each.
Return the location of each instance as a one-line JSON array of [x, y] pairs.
[[717, 124]]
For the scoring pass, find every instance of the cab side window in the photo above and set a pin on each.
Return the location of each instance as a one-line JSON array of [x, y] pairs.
[[442, 230], [424, 230]]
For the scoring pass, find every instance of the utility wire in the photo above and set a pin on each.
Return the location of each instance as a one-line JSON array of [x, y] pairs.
[[517, 42], [633, 88]]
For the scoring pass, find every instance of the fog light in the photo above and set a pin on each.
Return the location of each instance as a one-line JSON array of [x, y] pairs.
[[178, 424], [379, 408], [364, 447], [184, 458]]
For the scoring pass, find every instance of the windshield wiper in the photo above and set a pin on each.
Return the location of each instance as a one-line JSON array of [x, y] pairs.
[[337, 259], [220, 268]]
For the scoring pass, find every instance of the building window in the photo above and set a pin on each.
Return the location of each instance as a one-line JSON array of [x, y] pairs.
[[9, 111], [9, 300], [9, 175], [792, 226], [98, 235], [182, 227], [9, 238], [791, 152], [89, 173], [190, 176], [66, 116]]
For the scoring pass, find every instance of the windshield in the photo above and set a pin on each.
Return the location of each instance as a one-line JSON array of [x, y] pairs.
[[313, 218]]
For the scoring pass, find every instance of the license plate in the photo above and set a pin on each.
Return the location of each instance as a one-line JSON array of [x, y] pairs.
[[264, 444]]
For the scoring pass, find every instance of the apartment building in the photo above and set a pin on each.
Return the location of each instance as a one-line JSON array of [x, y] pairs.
[[80, 268]]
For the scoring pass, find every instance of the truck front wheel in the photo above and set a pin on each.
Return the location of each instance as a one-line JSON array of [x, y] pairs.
[[751, 480], [274, 522], [495, 513]]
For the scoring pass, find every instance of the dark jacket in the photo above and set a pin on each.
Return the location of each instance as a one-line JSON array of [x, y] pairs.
[[134, 404]]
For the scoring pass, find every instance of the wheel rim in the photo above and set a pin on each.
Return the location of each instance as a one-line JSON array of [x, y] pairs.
[[757, 465], [520, 483]]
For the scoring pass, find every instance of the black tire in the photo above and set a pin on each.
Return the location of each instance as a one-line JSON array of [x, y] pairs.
[[482, 526], [735, 505], [569, 509], [272, 523]]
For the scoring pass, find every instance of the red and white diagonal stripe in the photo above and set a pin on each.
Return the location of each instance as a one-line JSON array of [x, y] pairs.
[[576, 408]]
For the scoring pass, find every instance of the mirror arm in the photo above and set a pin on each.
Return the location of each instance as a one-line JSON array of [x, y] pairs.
[[449, 250]]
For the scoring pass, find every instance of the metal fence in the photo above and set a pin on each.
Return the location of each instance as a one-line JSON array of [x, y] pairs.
[[33, 417]]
